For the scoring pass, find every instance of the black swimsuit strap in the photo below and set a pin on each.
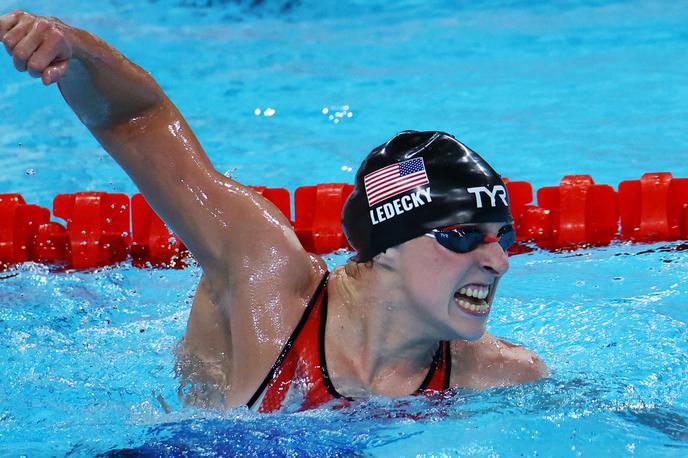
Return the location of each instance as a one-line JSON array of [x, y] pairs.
[[321, 354], [290, 342], [443, 354]]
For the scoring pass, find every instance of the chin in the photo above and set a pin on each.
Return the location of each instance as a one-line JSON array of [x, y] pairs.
[[472, 337], [466, 326]]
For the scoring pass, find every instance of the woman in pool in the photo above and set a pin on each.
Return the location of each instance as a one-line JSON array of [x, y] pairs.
[[269, 327]]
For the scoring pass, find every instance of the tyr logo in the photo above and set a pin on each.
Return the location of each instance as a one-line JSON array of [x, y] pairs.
[[497, 190]]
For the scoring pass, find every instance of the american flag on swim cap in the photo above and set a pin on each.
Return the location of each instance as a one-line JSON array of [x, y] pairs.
[[394, 179]]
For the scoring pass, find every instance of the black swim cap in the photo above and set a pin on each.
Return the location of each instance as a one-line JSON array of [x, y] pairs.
[[417, 182]]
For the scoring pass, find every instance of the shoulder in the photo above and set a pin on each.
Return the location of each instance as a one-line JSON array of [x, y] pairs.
[[491, 361]]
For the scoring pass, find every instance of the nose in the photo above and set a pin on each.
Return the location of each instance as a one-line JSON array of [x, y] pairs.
[[493, 258]]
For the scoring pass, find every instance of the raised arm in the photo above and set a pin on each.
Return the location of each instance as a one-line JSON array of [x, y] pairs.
[[126, 110]]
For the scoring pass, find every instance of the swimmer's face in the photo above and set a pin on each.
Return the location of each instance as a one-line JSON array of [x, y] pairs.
[[452, 292]]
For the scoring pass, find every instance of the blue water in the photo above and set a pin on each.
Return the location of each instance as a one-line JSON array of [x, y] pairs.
[[540, 89]]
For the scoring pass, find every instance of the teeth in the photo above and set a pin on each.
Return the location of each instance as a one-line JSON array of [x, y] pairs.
[[478, 308], [479, 292]]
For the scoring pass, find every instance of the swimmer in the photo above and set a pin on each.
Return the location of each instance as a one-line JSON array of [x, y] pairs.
[[270, 327]]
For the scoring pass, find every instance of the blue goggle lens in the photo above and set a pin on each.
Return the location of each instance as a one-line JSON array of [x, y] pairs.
[[468, 238]]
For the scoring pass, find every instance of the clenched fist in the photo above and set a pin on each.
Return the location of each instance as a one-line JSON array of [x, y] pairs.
[[39, 45]]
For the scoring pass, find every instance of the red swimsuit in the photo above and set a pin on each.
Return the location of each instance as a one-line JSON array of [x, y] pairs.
[[299, 377]]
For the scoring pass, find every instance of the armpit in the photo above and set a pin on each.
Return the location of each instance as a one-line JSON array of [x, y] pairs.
[[201, 383]]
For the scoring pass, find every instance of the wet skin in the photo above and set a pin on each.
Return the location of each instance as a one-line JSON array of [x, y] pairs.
[[384, 324]]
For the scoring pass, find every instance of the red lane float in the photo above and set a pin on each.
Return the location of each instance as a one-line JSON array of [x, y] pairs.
[[152, 242], [536, 224], [18, 228], [520, 195], [51, 243], [654, 208], [98, 227], [580, 212], [100, 230], [318, 216]]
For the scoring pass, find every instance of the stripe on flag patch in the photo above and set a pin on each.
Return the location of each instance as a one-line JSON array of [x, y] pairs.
[[394, 179]]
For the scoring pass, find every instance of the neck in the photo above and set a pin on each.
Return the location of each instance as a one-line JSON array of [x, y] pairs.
[[373, 333]]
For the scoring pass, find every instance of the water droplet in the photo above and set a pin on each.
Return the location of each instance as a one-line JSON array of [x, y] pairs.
[[257, 112], [269, 112], [325, 110]]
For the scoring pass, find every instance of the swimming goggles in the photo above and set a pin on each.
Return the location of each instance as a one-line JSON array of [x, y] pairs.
[[462, 239]]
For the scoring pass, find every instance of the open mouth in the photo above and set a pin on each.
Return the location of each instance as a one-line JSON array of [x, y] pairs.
[[471, 299]]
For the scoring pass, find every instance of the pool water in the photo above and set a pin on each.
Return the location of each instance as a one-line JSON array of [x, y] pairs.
[[291, 93]]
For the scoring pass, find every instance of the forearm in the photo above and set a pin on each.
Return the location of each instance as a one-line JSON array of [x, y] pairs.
[[102, 86]]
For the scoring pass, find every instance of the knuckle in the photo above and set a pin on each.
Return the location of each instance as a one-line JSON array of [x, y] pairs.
[[53, 33], [41, 24], [24, 20]]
